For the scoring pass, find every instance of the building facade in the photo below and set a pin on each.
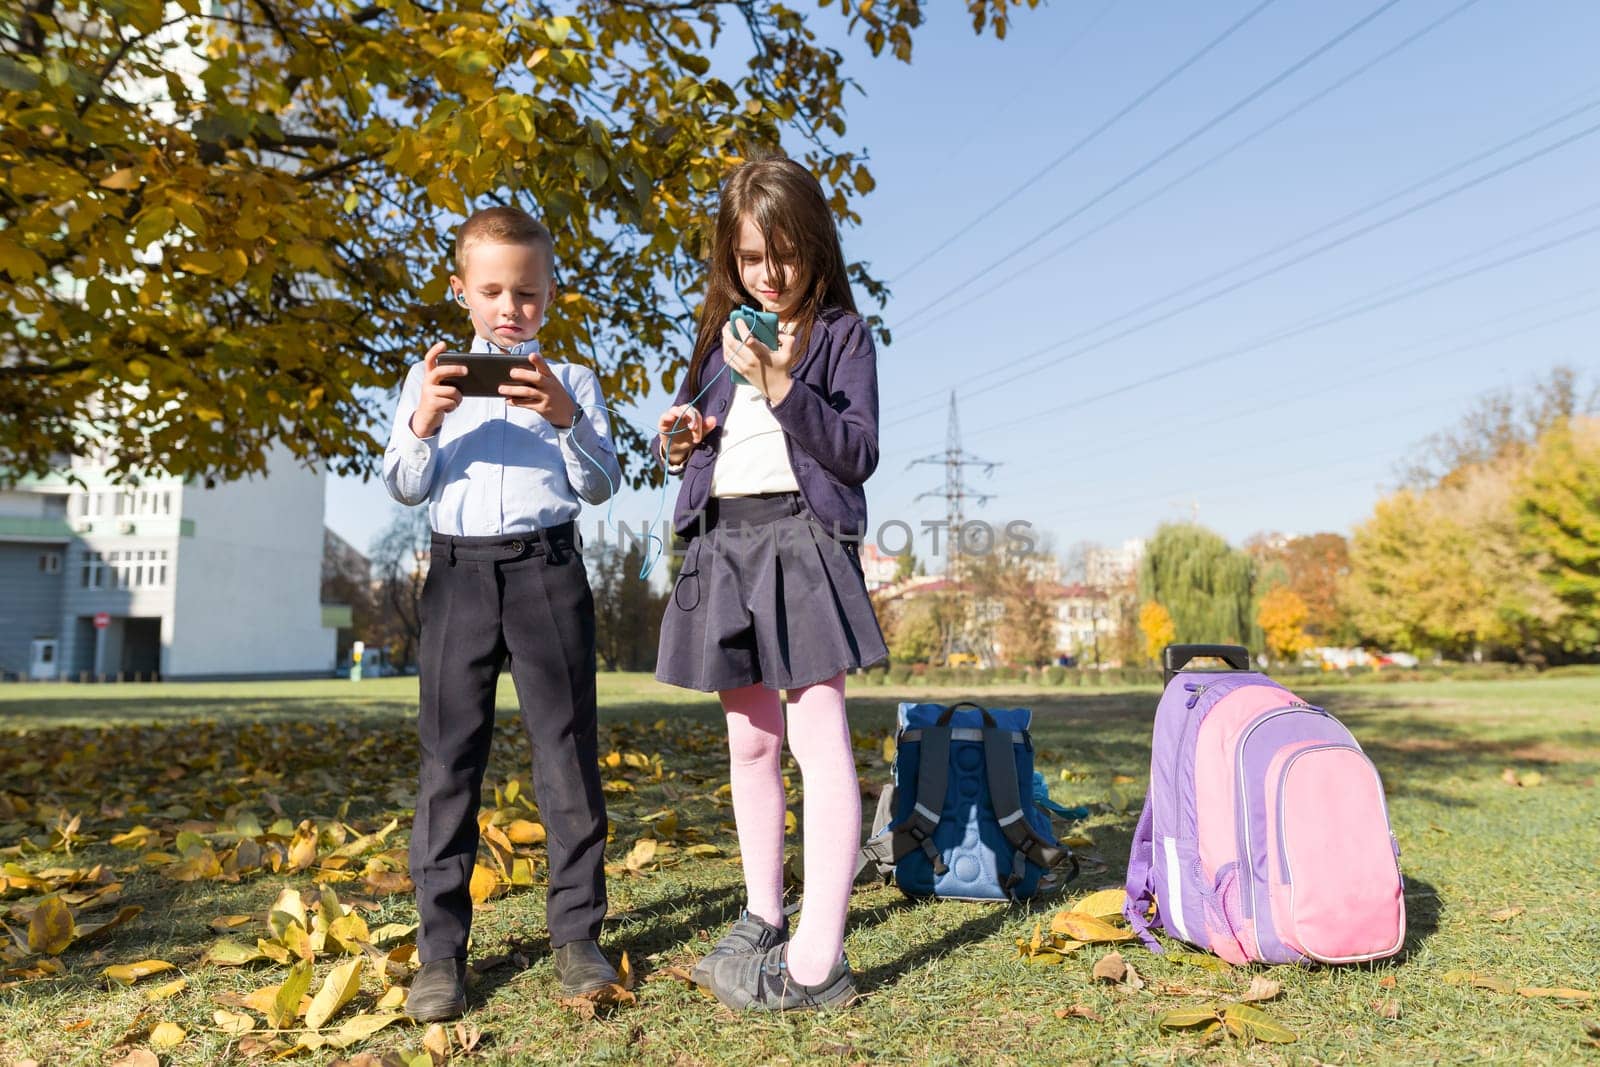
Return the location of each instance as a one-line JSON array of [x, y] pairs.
[[165, 579]]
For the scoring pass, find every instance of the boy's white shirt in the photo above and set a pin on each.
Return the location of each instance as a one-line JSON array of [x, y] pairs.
[[494, 469]]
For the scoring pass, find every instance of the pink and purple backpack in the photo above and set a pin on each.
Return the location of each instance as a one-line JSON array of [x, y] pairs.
[[1265, 836]]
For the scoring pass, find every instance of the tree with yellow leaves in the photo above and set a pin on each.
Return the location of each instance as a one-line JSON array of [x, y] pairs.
[[1282, 618], [1158, 629], [226, 225]]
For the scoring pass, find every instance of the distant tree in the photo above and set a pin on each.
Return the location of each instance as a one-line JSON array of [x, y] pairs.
[[1503, 424], [1314, 567], [1202, 582], [400, 568], [916, 631], [1282, 618], [627, 613], [1558, 515], [905, 565], [1156, 626]]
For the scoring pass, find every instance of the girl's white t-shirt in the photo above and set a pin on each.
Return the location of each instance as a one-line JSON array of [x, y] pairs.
[[752, 457]]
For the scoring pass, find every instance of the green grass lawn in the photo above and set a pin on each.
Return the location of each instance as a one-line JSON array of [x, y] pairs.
[[1503, 880]]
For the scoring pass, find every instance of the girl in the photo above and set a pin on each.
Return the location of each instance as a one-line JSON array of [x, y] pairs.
[[771, 594]]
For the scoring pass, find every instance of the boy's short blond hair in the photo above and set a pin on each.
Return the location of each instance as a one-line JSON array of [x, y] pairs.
[[504, 225]]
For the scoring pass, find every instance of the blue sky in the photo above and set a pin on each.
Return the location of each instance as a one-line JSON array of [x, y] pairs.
[[1310, 384]]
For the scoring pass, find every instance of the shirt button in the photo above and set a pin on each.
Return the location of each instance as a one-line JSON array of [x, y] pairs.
[[722, 405], [517, 546]]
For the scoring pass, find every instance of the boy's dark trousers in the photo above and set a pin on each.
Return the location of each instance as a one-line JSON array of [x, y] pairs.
[[524, 597]]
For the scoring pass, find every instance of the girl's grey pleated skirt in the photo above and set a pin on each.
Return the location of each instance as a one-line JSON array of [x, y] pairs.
[[766, 595]]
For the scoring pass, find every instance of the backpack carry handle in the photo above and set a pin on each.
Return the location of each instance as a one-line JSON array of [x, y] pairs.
[[945, 716], [1175, 657]]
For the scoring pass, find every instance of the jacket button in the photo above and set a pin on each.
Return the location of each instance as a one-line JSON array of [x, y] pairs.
[[722, 405], [517, 546]]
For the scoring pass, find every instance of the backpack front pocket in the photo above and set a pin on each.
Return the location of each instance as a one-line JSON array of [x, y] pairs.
[[1334, 877]]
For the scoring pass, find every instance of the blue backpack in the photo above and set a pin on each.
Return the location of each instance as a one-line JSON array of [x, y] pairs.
[[959, 821]]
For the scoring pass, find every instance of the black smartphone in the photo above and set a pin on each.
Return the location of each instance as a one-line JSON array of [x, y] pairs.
[[486, 371]]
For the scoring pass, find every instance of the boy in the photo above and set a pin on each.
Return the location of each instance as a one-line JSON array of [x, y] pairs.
[[503, 479]]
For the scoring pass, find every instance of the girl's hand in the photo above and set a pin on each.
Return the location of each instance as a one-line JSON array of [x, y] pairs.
[[542, 392], [439, 395], [765, 368], [682, 428]]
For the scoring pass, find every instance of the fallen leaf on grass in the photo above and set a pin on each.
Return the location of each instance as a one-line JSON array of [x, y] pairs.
[[1387, 981], [1477, 981], [1105, 904], [436, 1042], [393, 998], [168, 1035], [129, 973], [50, 927], [468, 1038], [286, 1002], [168, 989], [1388, 1009], [1563, 993], [483, 885], [135, 1057], [1261, 989], [72, 1026], [1113, 968], [1506, 914], [1204, 961], [600, 1002], [1240, 1020], [233, 1023], [342, 984], [1521, 781], [1591, 1031], [359, 1028], [1077, 1011], [1088, 929], [232, 954]]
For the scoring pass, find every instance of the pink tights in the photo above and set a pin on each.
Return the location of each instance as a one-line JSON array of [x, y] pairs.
[[820, 742]]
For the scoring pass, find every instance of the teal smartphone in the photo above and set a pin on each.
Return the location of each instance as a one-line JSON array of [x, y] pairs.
[[762, 325]]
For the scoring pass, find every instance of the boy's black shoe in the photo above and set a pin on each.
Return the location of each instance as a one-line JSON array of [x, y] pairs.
[[439, 991], [582, 968]]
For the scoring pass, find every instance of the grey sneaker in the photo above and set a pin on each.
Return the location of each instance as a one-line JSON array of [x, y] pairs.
[[761, 982], [439, 991], [748, 934]]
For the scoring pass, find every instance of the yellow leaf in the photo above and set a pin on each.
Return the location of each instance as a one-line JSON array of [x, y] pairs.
[[437, 1043], [625, 975], [232, 954], [223, 923], [303, 852], [525, 832], [1106, 904], [393, 998], [286, 1004], [1556, 994], [1261, 989], [200, 262], [129, 973], [642, 854], [170, 989], [1087, 928], [121, 180], [233, 1022], [286, 910], [50, 927], [167, 1035], [1257, 1024], [1188, 1018], [342, 983], [702, 850], [1506, 914], [359, 1028], [348, 931], [483, 885]]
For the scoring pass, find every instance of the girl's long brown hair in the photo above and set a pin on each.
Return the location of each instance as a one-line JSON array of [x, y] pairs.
[[787, 202]]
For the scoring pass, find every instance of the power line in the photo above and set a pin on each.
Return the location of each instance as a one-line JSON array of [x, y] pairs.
[[973, 129], [1089, 137], [1259, 275], [925, 322], [1225, 354], [1387, 371], [1183, 142], [1346, 382]]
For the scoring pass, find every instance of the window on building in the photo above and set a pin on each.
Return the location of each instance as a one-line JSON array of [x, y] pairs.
[[93, 570], [50, 562]]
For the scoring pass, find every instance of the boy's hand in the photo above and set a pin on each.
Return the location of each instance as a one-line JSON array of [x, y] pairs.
[[543, 393], [682, 427], [765, 368], [439, 396]]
